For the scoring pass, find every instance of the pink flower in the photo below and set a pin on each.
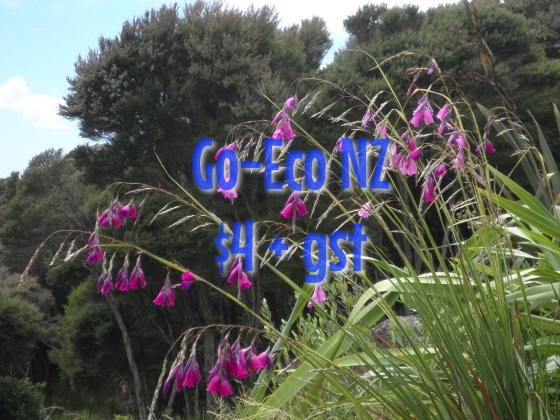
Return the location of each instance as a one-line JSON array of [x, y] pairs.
[[443, 113], [459, 161], [405, 162], [122, 283], [191, 374], [217, 382], [236, 273], [137, 278], [365, 210], [187, 279], [283, 129], [230, 146], [173, 373], [263, 360], [339, 145], [415, 152], [128, 211], [257, 362], [236, 365], [230, 194], [433, 67], [444, 126], [218, 385], [487, 145], [107, 285], [423, 113], [166, 296], [95, 254], [440, 170], [457, 139], [291, 103], [381, 130], [294, 207], [318, 296], [110, 217], [428, 190]]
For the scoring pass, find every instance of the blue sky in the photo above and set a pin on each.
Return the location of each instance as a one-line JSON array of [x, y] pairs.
[[41, 39]]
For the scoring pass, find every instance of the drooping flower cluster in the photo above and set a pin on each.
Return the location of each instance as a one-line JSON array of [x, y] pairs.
[[404, 159], [237, 363], [283, 129], [117, 214], [423, 113], [232, 362], [187, 376], [124, 283], [405, 155]]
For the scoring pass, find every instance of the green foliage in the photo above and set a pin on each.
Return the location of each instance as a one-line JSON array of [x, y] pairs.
[[488, 303], [518, 73], [544, 16], [91, 351], [20, 399], [26, 324], [171, 78], [45, 198]]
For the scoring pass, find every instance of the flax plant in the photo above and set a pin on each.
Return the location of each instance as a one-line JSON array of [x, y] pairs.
[[479, 270]]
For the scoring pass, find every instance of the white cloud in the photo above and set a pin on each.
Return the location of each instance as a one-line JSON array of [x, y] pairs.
[[40, 110]]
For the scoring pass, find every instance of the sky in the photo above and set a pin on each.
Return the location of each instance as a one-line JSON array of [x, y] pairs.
[[40, 41]]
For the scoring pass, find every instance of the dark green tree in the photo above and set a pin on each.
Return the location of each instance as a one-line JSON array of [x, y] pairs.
[[20, 399], [47, 197], [171, 78]]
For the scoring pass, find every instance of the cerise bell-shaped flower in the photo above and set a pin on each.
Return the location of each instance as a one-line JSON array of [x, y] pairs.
[[428, 190], [187, 279], [236, 274], [284, 128], [166, 296], [191, 373], [137, 278], [230, 194], [174, 373], [423, 113], [236, 365], [318, 296], [95, 254], [117, 214], [294, 207], [217, 381]]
